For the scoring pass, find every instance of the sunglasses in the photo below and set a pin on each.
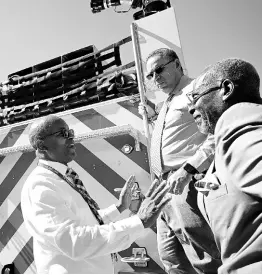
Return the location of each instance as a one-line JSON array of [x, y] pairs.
[[159, 70], [63, 133]]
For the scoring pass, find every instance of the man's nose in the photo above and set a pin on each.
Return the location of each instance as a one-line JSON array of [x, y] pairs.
[[191, 108], [71, 136]]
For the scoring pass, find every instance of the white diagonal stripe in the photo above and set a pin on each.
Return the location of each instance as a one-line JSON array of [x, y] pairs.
[[120, 116], [7, 164], [23, 138], [14, 198], [31, 269], [15, 245]]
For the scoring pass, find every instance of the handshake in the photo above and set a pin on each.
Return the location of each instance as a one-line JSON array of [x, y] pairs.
[[146, 207]]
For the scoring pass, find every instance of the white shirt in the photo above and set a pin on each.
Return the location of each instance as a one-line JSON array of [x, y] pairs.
[[66, 236], [181, 140]]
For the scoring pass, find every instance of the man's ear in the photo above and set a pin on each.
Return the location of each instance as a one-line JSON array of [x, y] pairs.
[[177, 62], [228, 89], [178, 65], [41, 145]]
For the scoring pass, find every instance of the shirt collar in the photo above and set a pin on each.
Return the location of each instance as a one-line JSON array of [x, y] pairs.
[[60, 167], [184, 81]]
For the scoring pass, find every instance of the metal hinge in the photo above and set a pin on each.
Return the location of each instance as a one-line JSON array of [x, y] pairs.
[[139, 257]]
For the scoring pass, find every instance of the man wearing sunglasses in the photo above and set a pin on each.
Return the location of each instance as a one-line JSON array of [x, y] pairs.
[[185, 241], [226, 102], [70, 233]]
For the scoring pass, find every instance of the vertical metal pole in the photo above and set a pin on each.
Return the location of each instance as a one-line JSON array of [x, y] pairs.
[[141, 87]]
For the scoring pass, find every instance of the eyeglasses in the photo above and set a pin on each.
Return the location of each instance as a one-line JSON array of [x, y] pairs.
[[63, 133], [159, 70], [193, 98]]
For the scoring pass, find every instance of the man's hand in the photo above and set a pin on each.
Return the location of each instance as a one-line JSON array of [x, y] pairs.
[[178, 181], [142, 109], [199, 176], [154, 202], [126, 194]]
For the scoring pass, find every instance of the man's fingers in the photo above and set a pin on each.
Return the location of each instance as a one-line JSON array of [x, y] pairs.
[[179, 187], [164, 202], [130, 182], [199, 176], [176, 188], [177, 191], [158, 189], [152, 188], [161, 194]]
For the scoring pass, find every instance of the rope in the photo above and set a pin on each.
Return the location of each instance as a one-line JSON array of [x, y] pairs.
[[101, 133]]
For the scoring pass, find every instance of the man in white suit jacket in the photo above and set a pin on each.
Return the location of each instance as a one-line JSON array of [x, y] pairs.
[[68, 236], [226, 101]]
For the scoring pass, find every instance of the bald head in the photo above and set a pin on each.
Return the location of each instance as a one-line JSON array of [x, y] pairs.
[[53, 140], [41, 128]]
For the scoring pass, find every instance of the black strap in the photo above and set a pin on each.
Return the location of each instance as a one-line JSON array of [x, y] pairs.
[[58, 174]]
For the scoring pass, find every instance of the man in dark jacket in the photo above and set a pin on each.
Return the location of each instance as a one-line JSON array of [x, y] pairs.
[[226, 102]]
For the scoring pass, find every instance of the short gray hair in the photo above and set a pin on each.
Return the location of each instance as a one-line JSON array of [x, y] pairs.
[[41, 129], [240, 72]]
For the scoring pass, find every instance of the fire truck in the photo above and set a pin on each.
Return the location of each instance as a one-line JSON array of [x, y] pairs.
[[98, 97]]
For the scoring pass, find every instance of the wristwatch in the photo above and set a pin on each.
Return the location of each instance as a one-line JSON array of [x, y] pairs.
[[153, 118], [190, 169]]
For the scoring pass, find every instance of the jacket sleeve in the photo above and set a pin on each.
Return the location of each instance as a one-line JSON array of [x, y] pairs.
[[170, 250], [204, 156], [51, 219], [239, 150]]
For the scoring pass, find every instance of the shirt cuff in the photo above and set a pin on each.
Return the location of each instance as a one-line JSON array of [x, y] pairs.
[[109, 214], [134, 226]]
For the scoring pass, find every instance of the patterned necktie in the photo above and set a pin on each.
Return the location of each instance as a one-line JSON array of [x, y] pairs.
[[156, 141], [71, 174]]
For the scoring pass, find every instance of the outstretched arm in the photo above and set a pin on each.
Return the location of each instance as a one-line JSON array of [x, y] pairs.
[[199, 162], [49, 216]]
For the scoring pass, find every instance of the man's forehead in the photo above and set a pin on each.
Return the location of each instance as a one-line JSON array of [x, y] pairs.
[[155, 60], [49, 124], [59, 124], [200, 81]]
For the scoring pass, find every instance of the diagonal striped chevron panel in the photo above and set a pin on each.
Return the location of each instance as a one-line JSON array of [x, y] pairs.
[[100, 163]]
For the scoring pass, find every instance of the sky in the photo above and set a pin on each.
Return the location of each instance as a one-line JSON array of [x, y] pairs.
[[33, 31]]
